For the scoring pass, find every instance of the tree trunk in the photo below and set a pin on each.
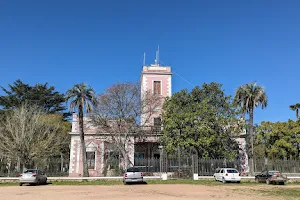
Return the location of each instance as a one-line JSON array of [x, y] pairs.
[[18, 165], [266, 159], [297, 113], [251, 154], [179, 161], [61, 163], [83, 150]]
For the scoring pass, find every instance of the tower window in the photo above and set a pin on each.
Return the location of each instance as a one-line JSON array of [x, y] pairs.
[[157, 87], [157, 124]]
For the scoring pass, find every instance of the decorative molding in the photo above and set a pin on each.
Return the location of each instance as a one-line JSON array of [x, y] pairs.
[[169, 87]]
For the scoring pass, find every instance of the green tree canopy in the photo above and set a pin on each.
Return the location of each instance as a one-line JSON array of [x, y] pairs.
[[203, 120], [280, 139], [41, 95]]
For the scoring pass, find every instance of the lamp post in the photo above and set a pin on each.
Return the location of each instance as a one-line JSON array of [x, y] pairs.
[[160, 159]]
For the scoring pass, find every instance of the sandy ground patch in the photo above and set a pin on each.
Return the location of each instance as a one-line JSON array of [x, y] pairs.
[[145, 192]]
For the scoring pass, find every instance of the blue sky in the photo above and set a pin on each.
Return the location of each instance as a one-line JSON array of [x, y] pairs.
[[102, 42]]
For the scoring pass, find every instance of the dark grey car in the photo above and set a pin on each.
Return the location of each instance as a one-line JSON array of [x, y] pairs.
[[133, 175], [33, 176]]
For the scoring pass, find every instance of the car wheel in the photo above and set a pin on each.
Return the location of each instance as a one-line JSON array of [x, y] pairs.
[[239, 182], [21, 184], [267, 181], [223, 180], [38, 182], [46, 181]]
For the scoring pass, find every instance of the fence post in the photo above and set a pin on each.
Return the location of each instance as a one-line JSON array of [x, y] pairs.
[[195, 166]]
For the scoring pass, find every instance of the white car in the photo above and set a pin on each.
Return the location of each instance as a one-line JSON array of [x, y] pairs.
[[227, 175], [33, 176]]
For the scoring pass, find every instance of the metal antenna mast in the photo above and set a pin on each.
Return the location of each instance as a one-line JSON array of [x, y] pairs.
[[157, 56]]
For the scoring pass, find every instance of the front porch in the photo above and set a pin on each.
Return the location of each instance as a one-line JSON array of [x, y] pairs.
[[147, 156]]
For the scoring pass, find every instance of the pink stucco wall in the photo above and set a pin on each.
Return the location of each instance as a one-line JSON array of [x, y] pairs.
[[164, 83], [156, 73]]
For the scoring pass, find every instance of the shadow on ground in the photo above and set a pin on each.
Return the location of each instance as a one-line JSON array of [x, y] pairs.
[[138, 183]]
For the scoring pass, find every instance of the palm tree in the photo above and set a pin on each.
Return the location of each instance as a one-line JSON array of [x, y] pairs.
[[247, 98], [295, 108], [82, 98]]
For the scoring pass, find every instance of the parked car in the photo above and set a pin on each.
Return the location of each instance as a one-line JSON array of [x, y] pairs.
[[33, 176], [271, 176], [133, 175], [227, 175]]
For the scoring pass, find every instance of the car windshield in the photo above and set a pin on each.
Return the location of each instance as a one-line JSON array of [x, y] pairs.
[[232, 171], [133, 170], [31, 171]]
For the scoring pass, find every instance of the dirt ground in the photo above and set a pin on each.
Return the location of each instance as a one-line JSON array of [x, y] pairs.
[[145, 192]]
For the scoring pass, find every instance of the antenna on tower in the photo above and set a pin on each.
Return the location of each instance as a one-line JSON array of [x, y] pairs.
[[144, 61], [157, 56]]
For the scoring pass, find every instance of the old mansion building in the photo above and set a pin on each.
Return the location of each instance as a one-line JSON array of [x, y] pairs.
[[155, 78]]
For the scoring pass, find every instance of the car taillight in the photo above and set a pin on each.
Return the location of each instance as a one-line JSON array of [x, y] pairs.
[[34, 175], [141, 173], [226, 174], [239, 174], [21, 175], [125, 175]]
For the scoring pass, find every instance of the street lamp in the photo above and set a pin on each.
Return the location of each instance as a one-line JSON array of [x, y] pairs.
[[160, 159]]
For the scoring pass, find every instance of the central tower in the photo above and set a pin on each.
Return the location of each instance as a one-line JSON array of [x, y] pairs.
[[156, 79]]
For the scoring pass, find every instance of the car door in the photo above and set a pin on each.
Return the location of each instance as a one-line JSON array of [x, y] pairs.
[[216, 174], [264, 176], [38, 175], [43, 177], [221, 174], [259, 177]]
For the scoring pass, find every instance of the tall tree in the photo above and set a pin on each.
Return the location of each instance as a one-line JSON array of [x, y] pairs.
[[247, 98], [203, 120], [295, 107], [27, 136], [41, 95], [82, 98], [123, 113], [280, 139]]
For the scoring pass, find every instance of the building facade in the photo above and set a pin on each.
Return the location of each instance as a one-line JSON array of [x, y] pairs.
[[102, 161], [100, 156]]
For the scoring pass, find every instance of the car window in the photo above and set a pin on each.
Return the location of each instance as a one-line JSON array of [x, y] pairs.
[[132, 170], [232, 171], [31, 171], [217, 171], [222, 171], [273, 172]]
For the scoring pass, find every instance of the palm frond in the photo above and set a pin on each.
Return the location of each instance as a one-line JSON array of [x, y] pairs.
[[81, 94], [250, 96]]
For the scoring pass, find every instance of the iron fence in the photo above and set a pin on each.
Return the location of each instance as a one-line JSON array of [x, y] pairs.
[[284, 166], [207, 167], [185, 167], [177, 166], [54, 167]]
